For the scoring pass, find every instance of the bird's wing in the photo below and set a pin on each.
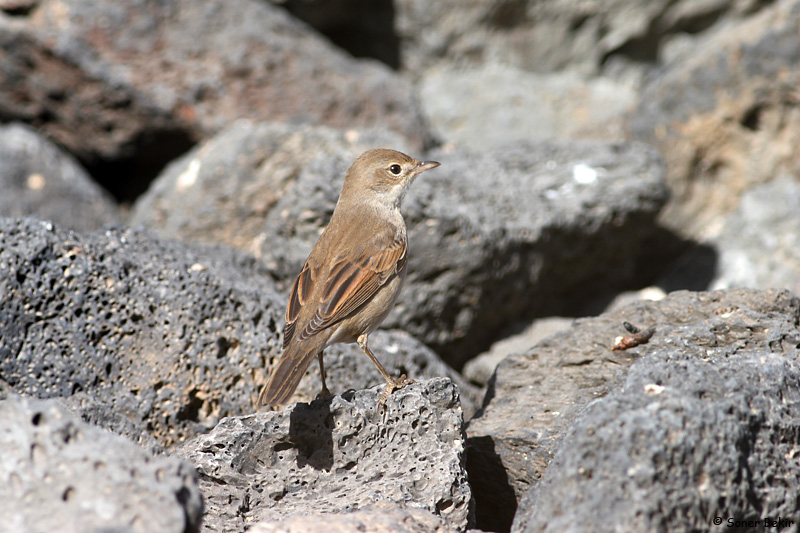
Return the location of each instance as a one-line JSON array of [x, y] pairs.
[[301, 291], [355, 276]]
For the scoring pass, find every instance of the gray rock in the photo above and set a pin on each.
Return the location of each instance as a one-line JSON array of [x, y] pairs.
[[463, 105], [535, 397], [170, 336], [102, 410], [37, 178], [381, 516], [109, 80], [552, 35], [760, 243], [704, 426], [61, 474], [723, 114], [494, 236], [337, 455]]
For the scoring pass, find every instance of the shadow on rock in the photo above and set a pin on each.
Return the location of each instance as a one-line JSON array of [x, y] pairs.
[[675, 263], [488, 476], [310, 431]]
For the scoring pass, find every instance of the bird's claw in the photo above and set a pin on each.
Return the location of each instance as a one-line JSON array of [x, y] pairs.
[[391, 386]]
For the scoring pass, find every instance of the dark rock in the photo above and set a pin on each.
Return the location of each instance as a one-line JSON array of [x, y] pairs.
[[61, 474], [705, 425], [37, 178], [535, 397], [724, 116], [172, 337], [136, 85], [337, 455]]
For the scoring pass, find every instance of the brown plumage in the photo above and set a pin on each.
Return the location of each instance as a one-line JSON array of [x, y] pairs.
[[352, 277]]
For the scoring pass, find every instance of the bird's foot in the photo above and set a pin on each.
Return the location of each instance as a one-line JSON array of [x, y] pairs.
[[324, 394], [393, 385]]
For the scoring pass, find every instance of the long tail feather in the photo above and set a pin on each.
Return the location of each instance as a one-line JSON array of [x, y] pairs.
[[287, 375]]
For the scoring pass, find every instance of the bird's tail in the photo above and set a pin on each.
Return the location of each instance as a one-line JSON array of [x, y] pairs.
[[287, 375]]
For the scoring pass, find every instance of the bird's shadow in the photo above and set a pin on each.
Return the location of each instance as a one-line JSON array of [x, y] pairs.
[[311, 433]]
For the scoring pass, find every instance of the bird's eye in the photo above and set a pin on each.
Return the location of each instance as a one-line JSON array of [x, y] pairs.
[[395, 169]]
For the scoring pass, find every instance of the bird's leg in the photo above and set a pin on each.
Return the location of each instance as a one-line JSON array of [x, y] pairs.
[[392, 384], [324, 393]]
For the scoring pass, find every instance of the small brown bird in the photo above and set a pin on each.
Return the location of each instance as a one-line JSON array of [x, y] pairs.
[[352, 277]]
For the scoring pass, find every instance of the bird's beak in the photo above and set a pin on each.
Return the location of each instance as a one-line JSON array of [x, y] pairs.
[[422, 166]]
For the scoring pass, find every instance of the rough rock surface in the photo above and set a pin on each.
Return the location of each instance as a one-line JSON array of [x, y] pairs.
[[489, 230], [336, 455], [38, 178], [61, 474], [535, 397], [706, 426], [726, 117], [170, 336]]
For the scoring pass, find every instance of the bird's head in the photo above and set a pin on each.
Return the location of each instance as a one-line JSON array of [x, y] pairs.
[[384, 175]]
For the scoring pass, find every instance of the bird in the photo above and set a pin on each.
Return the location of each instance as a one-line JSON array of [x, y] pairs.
[[352, 276]]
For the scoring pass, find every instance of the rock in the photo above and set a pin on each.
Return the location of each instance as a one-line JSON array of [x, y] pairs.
[[103, 411], [171, 336], [379, 517], [704, 426], [336, 455], [61, 474], [760, 243], [113, 81], [535, 397], [38, 178], [515, 105], [724, 115], [552, 35], [260, 161], [489, 230]]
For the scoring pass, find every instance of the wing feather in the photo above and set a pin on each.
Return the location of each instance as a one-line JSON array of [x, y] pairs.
[[354, 278], [301, 291]]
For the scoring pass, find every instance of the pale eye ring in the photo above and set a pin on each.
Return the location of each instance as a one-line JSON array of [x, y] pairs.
[[395, 169]]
